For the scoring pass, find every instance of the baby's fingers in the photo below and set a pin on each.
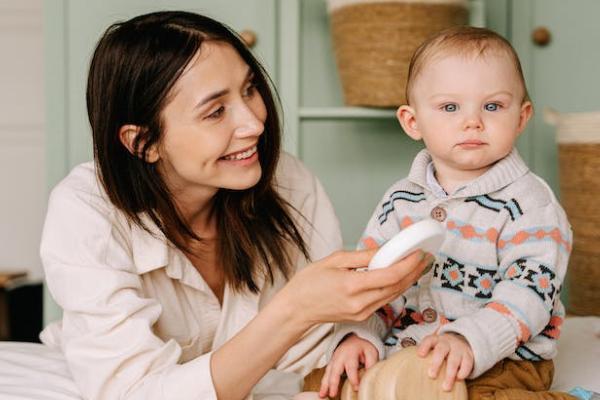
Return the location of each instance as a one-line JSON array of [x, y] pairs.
[[453, 363], [426, 345], [334, 378], [352, 372], [466, 367], [325, 382], [371, 357], [437, 359]]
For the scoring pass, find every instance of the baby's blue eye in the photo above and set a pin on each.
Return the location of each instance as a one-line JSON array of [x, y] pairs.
[[492, 107], [450, 107]]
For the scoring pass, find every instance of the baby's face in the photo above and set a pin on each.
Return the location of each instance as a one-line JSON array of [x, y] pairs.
[[469, 110]]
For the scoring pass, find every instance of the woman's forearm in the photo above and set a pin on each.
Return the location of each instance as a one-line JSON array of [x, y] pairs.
[[325, 291], [242, 361]]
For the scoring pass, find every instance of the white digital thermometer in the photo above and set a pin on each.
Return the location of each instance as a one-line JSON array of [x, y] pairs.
[[427, 235]]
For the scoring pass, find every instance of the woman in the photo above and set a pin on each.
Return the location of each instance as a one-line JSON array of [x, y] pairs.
[[180, 256]]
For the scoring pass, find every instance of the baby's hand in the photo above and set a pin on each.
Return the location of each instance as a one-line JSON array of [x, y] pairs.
[[451, 347], [348, 356]]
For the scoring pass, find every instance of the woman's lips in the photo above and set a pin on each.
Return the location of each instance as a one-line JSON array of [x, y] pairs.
[[241, 155]]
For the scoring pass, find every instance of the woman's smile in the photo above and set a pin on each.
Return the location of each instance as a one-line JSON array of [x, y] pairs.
[[245, 157]]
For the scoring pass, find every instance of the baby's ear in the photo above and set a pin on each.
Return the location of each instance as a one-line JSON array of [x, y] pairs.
[[524, 115], [128, 135], [407, 118]]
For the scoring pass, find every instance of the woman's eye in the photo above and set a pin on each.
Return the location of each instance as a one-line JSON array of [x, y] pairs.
[[450, 107], [491, 107], [216, 114], [249, 91]]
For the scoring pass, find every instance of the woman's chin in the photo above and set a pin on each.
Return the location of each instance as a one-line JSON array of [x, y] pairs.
[[244, 181]]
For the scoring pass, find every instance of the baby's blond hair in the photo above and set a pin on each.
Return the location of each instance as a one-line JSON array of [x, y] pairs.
[[461, 40]]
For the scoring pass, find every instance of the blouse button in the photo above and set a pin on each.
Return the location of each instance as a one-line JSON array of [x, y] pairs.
[[407, 342], [438, 213], [429, 315]]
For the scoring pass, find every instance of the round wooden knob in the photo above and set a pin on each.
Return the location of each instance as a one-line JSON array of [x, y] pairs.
[[249, 37], [541, 36]]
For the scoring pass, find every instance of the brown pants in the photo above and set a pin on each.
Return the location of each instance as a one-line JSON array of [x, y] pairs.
[[518, 380], [507, 380]]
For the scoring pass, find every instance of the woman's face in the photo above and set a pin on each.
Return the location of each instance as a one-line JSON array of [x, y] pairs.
[[212, 125]]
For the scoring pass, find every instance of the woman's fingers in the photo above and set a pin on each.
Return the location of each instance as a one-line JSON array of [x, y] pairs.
[[409, 266], [350, 259], [370, 300]]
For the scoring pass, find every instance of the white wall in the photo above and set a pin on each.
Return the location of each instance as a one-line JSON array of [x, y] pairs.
[[22, 146]]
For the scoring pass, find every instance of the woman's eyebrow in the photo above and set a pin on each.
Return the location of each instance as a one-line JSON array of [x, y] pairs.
[[219, 93], [211, 97]]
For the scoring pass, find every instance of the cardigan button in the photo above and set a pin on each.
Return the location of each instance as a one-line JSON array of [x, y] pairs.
[[438, 213], [407, 342], [429, 315]]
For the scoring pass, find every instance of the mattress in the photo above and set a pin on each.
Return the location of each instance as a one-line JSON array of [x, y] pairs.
[[30, 371]]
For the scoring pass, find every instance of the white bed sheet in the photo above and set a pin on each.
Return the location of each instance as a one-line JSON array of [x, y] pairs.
[[30, 371], [578, 360]]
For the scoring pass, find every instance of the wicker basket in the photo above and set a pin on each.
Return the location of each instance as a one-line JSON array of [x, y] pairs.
[[375, 39], [578, 137]]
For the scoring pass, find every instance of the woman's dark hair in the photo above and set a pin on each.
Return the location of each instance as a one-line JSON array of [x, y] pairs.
[[133, 69]]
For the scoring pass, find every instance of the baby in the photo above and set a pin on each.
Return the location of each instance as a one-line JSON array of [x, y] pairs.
[[490, 306]]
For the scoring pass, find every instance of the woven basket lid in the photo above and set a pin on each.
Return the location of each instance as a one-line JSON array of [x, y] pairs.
[[333, 5], [581, 127]]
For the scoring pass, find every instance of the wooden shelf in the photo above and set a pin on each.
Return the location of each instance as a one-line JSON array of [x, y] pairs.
[[345, 113]]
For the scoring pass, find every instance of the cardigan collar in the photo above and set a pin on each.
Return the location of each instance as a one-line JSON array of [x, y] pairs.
[[502, 174]]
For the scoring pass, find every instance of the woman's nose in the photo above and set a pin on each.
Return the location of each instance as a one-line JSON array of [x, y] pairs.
[[248, 123]]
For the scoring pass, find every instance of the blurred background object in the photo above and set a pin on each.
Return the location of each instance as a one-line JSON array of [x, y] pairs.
[[374, 42], [578, 137]]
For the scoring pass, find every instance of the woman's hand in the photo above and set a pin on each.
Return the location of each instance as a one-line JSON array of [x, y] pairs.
[[330, 290], [455, 350]]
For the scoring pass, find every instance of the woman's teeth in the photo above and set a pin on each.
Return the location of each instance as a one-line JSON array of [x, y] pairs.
[[241, 156]]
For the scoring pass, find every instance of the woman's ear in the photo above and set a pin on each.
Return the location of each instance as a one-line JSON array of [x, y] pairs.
[[128, 135], [524, 115], [407, 118]]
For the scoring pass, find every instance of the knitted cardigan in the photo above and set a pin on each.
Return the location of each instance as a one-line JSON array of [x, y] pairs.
[[496, 279]]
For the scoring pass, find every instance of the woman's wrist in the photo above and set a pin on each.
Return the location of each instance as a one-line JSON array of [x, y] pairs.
[[286, 309]]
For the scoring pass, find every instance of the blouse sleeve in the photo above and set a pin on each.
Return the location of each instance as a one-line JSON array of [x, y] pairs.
[[107, 335]]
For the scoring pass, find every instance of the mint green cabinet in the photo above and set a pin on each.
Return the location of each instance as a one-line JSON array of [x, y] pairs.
[[562, 74]]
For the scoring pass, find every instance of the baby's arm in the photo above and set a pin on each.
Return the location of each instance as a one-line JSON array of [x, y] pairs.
[[533, 252]]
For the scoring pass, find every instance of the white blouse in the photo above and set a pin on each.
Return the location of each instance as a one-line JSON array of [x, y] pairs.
[[139, 321]]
